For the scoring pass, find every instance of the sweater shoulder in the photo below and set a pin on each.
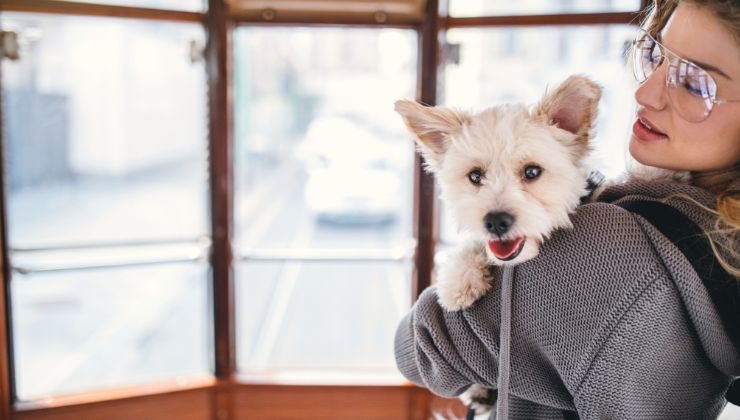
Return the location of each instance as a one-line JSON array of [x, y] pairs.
[[607, 249], [601, 231]]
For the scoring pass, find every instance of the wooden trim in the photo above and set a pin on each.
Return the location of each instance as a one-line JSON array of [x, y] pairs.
[[425, 226], [222, 406], [190, 404], [328, 12], [224, 400], [118, 394], [420, 404], [273, 402], [7, 388], [543, 20], [7, 391], [218, 58], [310, 19], [99, 10]]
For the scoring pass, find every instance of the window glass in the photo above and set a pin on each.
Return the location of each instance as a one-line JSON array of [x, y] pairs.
[[106, 180], [466, 8], [313, 316], [517, 64], [81, 331], [323, 168], [105, 131]]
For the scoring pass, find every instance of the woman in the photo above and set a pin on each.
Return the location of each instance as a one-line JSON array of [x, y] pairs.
[[612, 320]]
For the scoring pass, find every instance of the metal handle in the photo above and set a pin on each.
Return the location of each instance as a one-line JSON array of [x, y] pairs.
[[327, 255], [201, 253], [9, 45], [26, 270], [395, 254]]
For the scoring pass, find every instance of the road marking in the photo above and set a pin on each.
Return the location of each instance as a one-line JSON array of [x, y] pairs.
[[267, 336]]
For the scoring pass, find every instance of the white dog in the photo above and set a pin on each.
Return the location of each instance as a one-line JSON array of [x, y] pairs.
[[509, 175]]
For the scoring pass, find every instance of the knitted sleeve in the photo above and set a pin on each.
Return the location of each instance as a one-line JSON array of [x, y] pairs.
[[426, 348]]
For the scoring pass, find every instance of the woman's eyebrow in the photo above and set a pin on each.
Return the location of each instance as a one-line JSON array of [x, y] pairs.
[[710, 67], [705, 66]]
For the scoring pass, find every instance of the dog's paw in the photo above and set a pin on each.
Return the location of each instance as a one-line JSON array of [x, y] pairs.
[[462, 292], [479, 398], [464, 278]]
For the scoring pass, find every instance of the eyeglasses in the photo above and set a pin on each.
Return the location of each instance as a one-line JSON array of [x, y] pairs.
[[691, 89]]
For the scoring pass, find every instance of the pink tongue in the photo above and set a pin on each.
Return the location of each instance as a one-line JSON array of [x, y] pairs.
[[504, 249]]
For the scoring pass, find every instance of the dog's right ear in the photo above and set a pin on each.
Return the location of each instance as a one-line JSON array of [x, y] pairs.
[[572, 107], [432, 127]]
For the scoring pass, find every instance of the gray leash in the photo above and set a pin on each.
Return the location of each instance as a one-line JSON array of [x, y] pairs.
[[504, 361]]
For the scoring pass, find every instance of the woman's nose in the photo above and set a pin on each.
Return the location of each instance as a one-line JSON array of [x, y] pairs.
[[651, 93]]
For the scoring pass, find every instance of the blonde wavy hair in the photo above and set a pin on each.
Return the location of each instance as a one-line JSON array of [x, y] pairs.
[[724, 237]]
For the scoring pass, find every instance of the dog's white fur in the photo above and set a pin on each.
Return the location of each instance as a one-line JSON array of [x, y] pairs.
[[502, 141]]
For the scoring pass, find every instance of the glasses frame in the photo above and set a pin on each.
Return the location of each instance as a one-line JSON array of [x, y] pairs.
[[668, 56]]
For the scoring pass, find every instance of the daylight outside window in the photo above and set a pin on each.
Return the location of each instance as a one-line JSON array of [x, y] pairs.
[[324, 190]]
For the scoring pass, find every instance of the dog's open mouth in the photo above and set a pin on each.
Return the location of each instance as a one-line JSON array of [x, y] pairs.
[[506, 250]]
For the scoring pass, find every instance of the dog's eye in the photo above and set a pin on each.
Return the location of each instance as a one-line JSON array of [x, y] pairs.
[[475, 176], [532, 172]]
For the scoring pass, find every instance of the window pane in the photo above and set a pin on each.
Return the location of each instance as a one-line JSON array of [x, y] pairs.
[[184, 5], [539, 7], [320, 316], [105, 131], [86, 330], [517, 64], [323, 164], [105, 143]]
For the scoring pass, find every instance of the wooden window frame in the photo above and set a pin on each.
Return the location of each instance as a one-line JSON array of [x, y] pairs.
[[227, 395]]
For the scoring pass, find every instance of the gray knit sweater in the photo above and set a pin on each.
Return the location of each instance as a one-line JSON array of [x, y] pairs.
[[610, 321]]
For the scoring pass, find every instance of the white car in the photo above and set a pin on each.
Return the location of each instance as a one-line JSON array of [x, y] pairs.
[[353, 175]]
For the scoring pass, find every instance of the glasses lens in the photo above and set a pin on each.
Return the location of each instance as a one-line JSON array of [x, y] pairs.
[[691, 89], [647, 57]]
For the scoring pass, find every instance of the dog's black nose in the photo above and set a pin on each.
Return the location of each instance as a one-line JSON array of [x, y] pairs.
[[498, 223]]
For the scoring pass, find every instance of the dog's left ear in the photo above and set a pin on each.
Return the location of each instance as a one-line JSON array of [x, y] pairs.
[[433, 128], [572, 107]]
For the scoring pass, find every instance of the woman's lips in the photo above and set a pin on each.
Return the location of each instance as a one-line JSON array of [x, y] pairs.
[[645, 131]]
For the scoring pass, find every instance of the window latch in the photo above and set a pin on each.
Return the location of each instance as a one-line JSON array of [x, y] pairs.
[[9, 45], [197, 51], [451, 53]]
